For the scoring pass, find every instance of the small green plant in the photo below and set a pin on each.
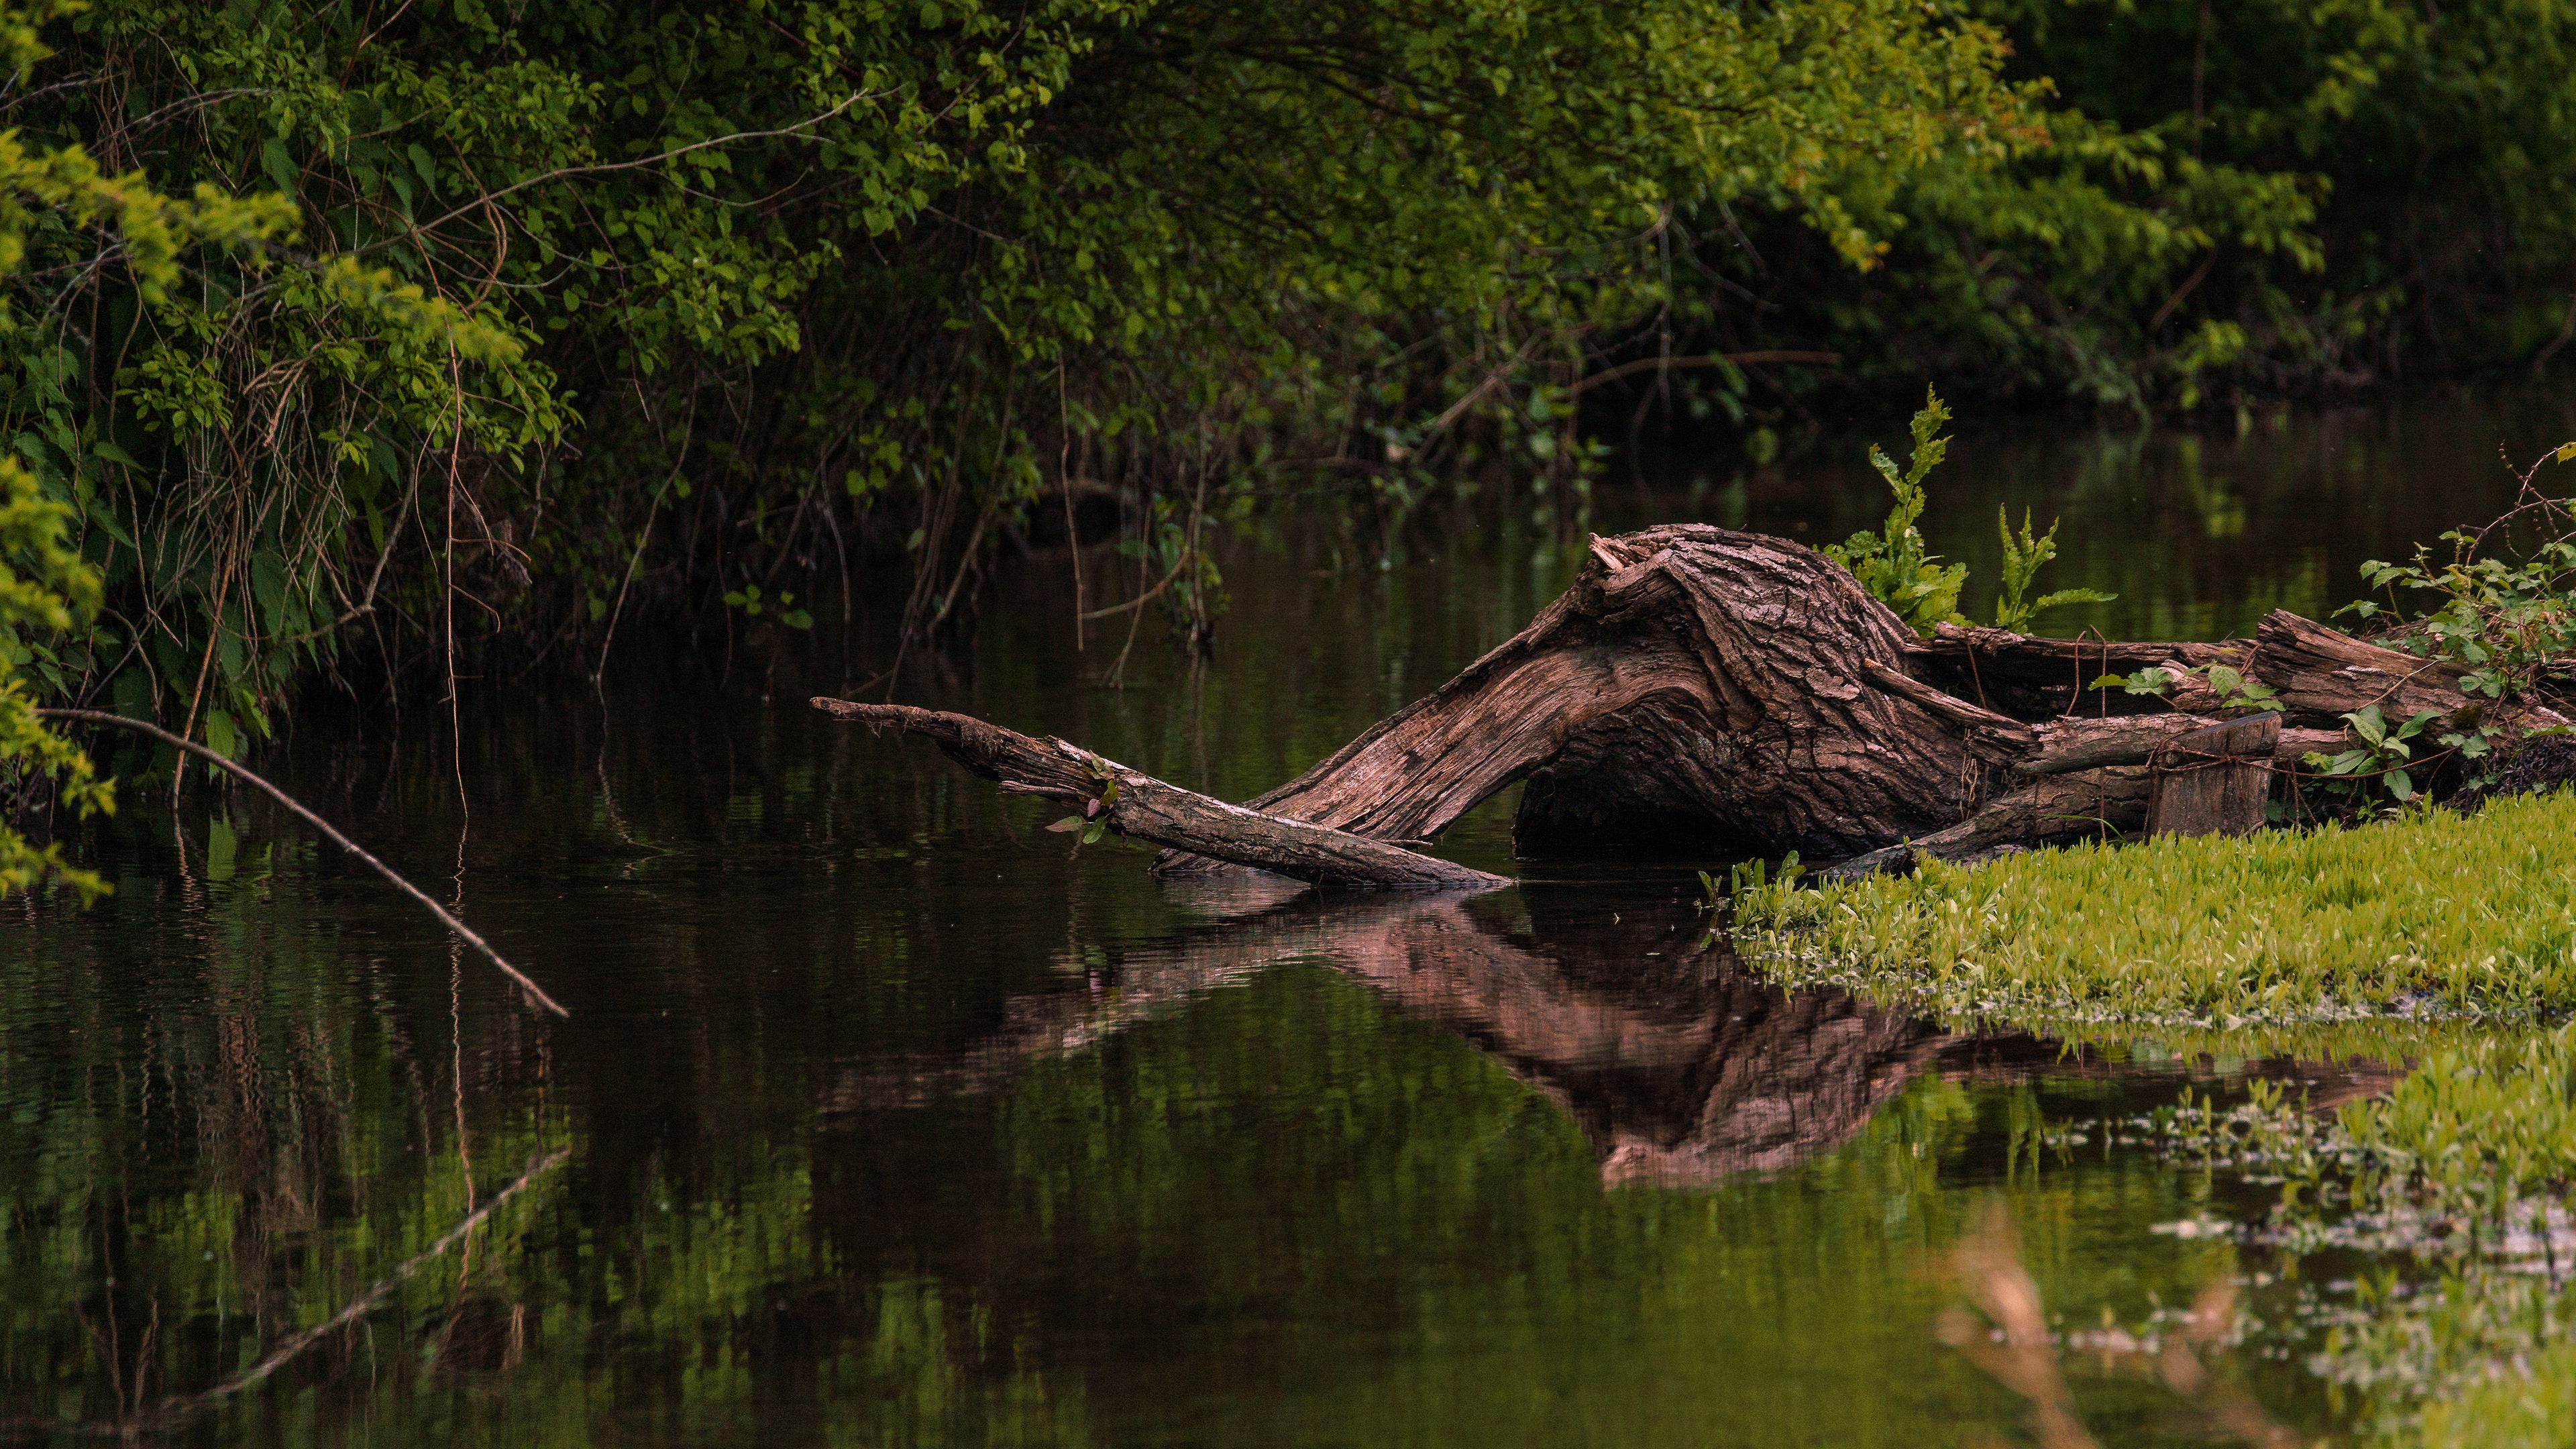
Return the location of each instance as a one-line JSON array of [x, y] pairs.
[[2383, 756], [1902, 573], [2023, 558], [1893, 564], [1747, 875], [1093, 822], [2235, 691], [782, 608]]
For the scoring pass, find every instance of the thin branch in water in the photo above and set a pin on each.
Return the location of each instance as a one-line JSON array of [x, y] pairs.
[[465, 932]]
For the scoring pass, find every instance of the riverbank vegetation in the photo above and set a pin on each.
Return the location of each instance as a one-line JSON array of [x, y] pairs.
[[733, 304], [2436, 913]]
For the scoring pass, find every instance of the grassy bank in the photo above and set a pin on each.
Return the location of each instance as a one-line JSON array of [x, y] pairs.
[[2437, 914], [2356, 934]]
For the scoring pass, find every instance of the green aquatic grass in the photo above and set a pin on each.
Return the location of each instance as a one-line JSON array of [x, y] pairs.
[[2482, 1135], [2477, 1124], [2433, 914], [2513, 1410]]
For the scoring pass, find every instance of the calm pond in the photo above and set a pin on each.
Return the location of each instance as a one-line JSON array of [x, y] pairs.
[[880, 1121]]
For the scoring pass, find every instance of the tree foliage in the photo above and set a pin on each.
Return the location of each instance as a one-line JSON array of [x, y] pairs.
[[356, 332], [2237, 204], [535, 309]]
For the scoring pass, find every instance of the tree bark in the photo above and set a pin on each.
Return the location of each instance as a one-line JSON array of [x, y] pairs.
[[2324, 675]]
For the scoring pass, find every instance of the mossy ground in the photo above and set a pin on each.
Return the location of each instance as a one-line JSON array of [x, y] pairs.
[[2436, 914]]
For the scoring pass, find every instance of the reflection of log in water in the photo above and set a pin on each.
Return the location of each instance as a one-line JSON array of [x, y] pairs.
[[1679, 1065]]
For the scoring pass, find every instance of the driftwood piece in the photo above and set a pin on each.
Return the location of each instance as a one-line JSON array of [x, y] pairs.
[[2062, 746], [2001, 736], [2324, 674], [2000, 654], [1165, 814], [2067, 745], [2091, 803], [2034, 678], [2215, 781]]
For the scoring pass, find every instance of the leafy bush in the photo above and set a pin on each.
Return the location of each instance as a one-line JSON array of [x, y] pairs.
[[838, 283], [2509, 620]]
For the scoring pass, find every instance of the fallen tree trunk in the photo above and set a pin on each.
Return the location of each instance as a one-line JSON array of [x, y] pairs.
[[1727, 694]]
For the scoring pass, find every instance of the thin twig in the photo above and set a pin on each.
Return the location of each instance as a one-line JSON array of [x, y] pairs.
[[1667, 364], [118, 721], [568, 172]]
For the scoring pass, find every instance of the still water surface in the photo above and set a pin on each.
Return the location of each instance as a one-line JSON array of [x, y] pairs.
[[880, 1121]]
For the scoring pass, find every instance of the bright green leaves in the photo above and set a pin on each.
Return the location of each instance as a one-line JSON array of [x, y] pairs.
[[1893, 564], [1900, 572], [2385, 753], [2507, 620], [1089, 826], [782, 607], [2234, 690], [2023, 558], [46, 591]]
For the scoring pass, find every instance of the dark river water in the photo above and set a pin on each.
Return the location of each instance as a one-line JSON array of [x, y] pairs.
[[880, 1120]]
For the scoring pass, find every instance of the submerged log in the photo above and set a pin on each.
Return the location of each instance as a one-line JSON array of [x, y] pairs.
[[1725, 694], [1167, 815]]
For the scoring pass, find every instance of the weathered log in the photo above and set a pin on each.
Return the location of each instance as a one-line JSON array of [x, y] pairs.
[[2066, 745], [1695, 688], [2324, 674], [2084, 805], [1165, 814], [2061, 746], [2001, 737], [2214, 781], [1716, 693], [2033, 678]]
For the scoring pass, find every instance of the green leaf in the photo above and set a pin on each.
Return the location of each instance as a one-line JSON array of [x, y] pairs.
[[220, 736], [280, 166], [1070, 822]]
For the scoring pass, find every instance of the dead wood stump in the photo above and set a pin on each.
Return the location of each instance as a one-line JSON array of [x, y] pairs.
[[2214, 781]]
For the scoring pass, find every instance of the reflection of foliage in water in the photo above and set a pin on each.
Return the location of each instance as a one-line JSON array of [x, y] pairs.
[[1283, 1209]]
